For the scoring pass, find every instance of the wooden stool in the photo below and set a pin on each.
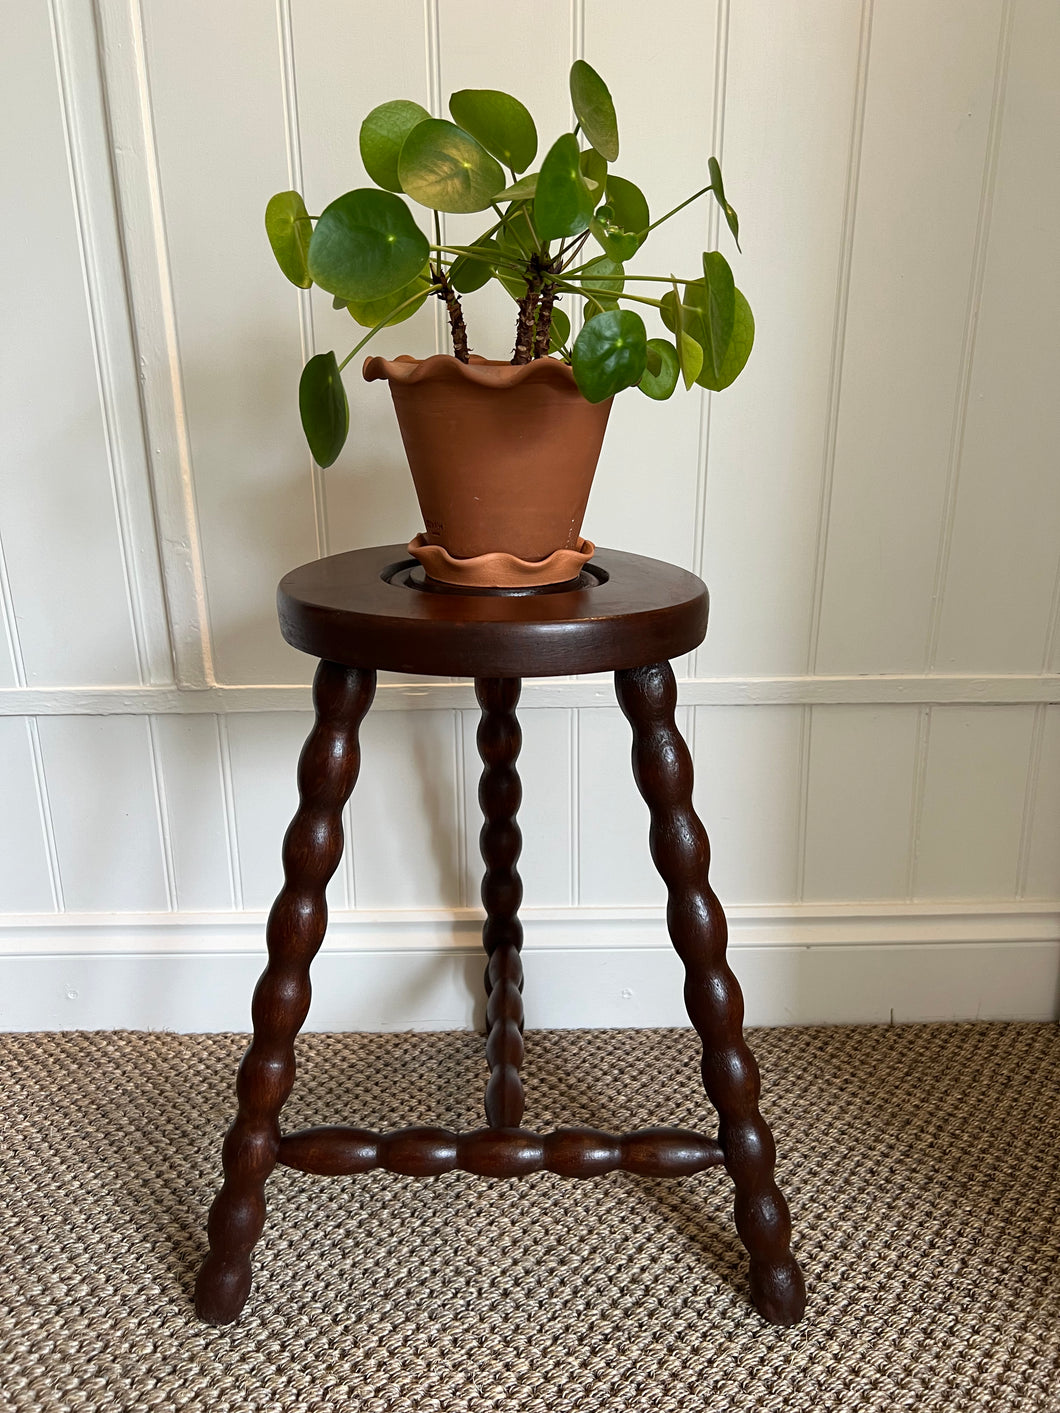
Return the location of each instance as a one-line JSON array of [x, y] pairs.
[[373, 609]]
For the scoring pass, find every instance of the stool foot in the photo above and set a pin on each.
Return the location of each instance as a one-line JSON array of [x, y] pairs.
[[662, 768], [778, 1291], [312, 848], [221, 1291]]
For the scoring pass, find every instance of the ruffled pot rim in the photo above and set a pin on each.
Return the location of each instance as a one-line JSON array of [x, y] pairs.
[[485, 372]]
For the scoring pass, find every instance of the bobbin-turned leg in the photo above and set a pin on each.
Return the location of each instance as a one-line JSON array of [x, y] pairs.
[[499, 793], [312, 848], [662, 768]]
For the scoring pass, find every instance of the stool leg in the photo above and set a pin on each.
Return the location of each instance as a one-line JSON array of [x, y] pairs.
[[312, 848], [662, 768], [499, 794]]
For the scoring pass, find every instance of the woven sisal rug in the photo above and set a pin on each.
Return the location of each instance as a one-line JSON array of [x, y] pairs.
[[922, 1165]]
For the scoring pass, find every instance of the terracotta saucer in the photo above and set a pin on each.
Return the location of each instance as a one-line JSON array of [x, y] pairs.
[[498, 570]]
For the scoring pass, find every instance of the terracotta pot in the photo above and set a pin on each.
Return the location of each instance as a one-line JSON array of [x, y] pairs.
[[502, 457]]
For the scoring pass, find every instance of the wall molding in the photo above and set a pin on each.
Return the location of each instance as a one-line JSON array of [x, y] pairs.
[[914, 689], [591, 967], [413, 929]]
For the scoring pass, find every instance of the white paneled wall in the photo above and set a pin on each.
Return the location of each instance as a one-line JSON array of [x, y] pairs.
[[875, 715]]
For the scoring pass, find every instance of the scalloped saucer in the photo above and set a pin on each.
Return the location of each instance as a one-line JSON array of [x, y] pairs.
[[498, 570]]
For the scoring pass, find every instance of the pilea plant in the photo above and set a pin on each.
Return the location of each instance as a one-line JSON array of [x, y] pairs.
[[367, 250]]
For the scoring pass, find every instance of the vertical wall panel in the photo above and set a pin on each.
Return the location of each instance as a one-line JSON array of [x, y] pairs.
[[101, 785], [25, 878], [369, 492], [264, 750], [790, 92], [404, 812], [747, 794], [912, 265], [61, 545], [974, 795], [1003, 560], [217, 104], [615, 866], [859, 802], [645, 494], [189, 752], [544, 816], [1043, 861]]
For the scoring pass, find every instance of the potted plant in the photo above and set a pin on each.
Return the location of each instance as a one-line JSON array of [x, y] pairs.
[[503, 451]]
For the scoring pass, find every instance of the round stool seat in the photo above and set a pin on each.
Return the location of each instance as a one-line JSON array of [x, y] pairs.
[[373, 608]]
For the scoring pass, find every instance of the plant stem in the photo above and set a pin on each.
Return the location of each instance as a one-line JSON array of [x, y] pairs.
[[568, 288], [572, 251], [544, 320], [487, 258], [514, 232], [524, 326], [457, 327], [674, 212], [381, 325]]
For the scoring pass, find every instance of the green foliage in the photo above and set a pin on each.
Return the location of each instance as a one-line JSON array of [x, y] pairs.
[[443, 167], [382, 134], [391, 308], [563, 203], [572, 229], [658, 382], [499, 122], [594, 109], [738, 352], [718, 188], [610, 353], [288, 228], [366, 245], [324, 409]]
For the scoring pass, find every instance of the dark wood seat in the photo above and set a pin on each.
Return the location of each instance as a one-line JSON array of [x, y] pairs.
[[373, 609]]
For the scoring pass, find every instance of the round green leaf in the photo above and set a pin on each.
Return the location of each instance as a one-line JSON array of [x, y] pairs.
[[743, 337], [500, 122], [383, 133], [718, 187], [603, 278], [629, 209], [288, 228], [714, 300], [563, 204], [594, 170], [443, 167], [373, 312], [323, 407], [594, 109], [521, 190], [467, 273], [617, 243], [660, 384], [366, 245], [685, 322], [610, 354], [559, 330]]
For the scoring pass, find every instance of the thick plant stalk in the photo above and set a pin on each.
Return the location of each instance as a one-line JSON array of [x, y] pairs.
[[457, 327], [524, 328], [544, 321]]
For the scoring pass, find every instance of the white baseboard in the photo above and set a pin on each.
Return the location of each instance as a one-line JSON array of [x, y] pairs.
[[838, 963]]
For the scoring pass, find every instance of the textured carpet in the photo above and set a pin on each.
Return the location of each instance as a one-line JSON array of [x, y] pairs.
[[922, 1165]]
